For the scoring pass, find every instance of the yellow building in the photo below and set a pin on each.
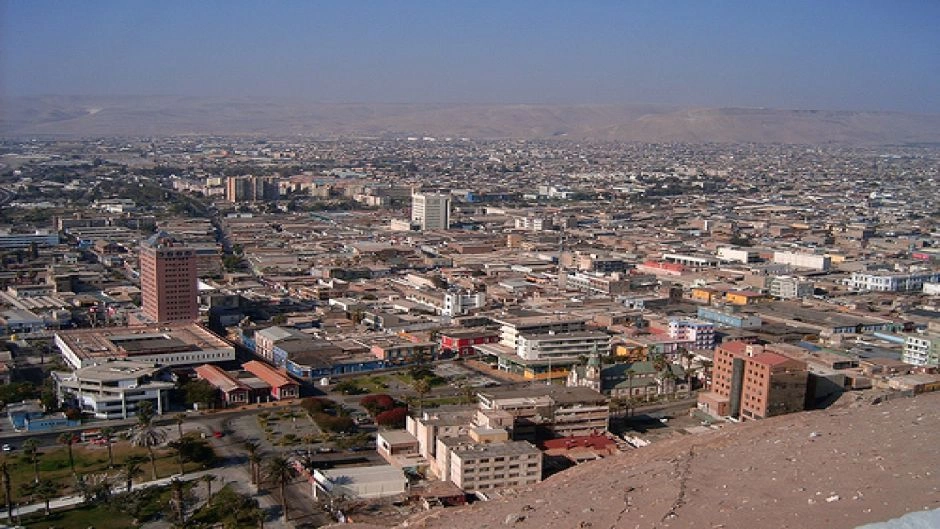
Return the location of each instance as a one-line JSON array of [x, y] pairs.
[[631, 352], [744, 297]]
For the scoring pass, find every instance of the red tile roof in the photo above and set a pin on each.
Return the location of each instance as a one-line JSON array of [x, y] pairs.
[[218, 378], [771, 359], [268, 374]]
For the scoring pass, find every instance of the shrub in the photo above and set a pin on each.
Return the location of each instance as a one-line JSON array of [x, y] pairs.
[[394, 418], [376, 404]]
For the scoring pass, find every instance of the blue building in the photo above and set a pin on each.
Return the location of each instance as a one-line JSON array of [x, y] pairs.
[[29, 416]]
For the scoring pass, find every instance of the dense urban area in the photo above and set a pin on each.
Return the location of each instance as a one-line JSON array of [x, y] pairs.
[[240, 332]]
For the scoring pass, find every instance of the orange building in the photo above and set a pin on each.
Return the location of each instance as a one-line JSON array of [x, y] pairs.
[[168, 280], [744, 297], [752, 382]]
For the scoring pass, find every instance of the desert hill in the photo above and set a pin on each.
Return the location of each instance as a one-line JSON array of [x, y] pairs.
[[170, 115], [833, 469]]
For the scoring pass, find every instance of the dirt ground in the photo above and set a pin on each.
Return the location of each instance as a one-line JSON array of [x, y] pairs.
[[836, 468]]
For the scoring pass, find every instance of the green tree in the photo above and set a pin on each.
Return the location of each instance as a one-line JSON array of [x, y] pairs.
[[68, 439], [178, 488], [146, 434], [254, 459], [7, 485], [200, 392], [108, 432], [31, 449], [44, 489], [422, 387], [280, 471], [179, 418], [131, 469], [208, 479]]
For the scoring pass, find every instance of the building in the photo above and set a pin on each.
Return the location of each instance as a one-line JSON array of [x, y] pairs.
[[168, 280], [114, 389], [431, 210], [251, 188], [744, 297], [789, 287], [922, 349], [377, 481], [549, 411], [730, 319], [282, 386], [803, 260], [13, 239], [177, 344], [636, 380], [751, 382], [29, 416], [484, 467], [892, 281], [460, 342], [701, 334]]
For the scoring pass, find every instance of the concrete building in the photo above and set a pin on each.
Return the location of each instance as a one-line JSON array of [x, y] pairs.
[[114, 390], [892, 281], [922, 349], [638, 380], [789, 287], [803, 260], [378, 481], [552, 411], [749, 382], [168, 280], [485, 467], [12, 239], [251, 188], [431, 210], [701, 334], [730, 319]]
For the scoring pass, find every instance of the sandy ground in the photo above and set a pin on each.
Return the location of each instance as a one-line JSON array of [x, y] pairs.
[[836, 468]]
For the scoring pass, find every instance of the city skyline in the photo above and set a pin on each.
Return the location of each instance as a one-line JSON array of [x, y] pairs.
[[802, 55]]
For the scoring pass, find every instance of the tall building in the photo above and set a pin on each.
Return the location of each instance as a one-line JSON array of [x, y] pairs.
[[431, 210], [168, 279], [251, 188]]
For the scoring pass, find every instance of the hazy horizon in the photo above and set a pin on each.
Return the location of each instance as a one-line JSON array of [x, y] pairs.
[[864, 55]]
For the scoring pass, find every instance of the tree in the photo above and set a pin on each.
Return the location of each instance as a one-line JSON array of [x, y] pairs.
[[180, 418], [254, 458], [146, 434], [422, 387], [31, 449], [130, 470], [107, 432], [200, 392], [394, 418], [178, 488], [5, 474], [68, 439], [44, 489], [281, 473], [208, 479]]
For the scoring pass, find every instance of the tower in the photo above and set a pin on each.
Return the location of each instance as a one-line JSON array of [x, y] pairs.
[[431, 210], [168, 279]]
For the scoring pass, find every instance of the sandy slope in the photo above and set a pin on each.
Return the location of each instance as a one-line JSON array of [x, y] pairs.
[[827, 469]]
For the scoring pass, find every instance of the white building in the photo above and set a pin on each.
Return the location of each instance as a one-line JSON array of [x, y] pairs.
[[431, 210], [562, 345], [460, 303], [359, 482], [789, 287], [892, 281], [922, 349], [803, 260], [114, 390], [738, 255], [700, 333]]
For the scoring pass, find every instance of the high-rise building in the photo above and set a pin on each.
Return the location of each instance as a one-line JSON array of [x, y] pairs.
[[168, 279], [251, 188], [431, 210]]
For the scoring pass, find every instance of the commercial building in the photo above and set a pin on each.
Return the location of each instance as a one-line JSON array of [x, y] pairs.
[[549, 411], [803, 260], [751, 382], [114, 389], [789, 287], [701, 334], [731, 319], [251, 188], [892, 281], [177, 344], [378, 481], [431, 210], [168, 280], [476, 467], [13, 239]]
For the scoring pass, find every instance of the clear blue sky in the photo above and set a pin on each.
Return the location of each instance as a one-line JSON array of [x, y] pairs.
[[863, 55]]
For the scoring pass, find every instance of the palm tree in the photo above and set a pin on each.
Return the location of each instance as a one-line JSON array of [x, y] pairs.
[[146, 434], [5, 474], [208, 479], [131, 470], [45, 490], [178, 446], [422, 387], [31, 449], [107, 432], [254, 458], [179, 488], [280, 472], [68, 439], [180, 418]]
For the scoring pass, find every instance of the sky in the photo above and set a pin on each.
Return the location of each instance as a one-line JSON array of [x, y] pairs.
[[818, 54]]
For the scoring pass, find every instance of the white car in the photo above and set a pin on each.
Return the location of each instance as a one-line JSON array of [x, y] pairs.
[[7, 448]]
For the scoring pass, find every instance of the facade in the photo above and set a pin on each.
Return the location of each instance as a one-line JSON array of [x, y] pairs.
[[892, 282], [168, 280], [11, 239], [556, 411], [282, 386], [803, 260], [431, 210], [637, 380], [359, 482], [700, 334], [460, 342], [922, 349], [751, 382], [251, 188], [730, 319], [177, 344], [490, 466], [789, 287], [114, 390]]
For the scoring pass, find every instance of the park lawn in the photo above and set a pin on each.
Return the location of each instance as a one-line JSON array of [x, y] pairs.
[[54, 464], [372, 383], [97, 516]]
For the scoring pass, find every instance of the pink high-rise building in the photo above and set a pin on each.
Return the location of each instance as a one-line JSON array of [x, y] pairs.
[[168, 280]]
